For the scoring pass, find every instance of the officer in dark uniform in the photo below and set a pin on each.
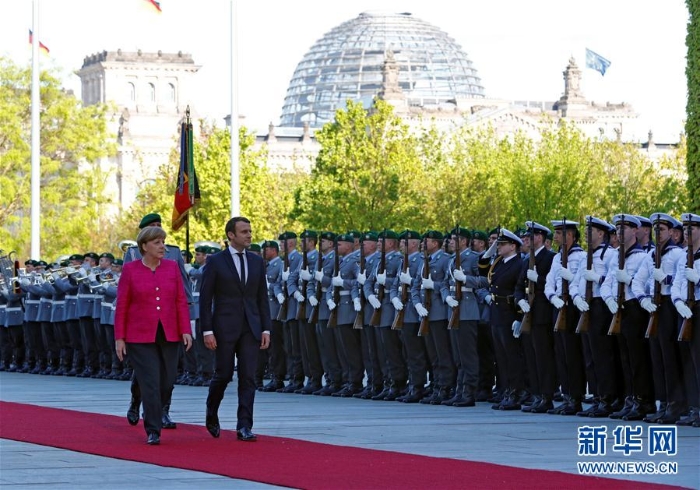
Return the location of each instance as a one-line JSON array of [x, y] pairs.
[[277, 361], [292, 338]]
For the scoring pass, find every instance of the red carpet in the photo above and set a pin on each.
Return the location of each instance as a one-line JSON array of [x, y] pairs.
[[275, 460]]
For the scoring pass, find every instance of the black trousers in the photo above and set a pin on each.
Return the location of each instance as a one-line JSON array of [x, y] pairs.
[[76, 344], [532, 384], [60, 330], [370, 357], [634, 351], [205, 357], [603, 349], [292, 348], [487, 361], [351, 342], [329, 352], [104, 354], [570, 356], [416, 359], [277, 359], [464, 342], [542, 338], [395, 362], [509, 357], [310, 354], [87, 336], [155, 367], [665, 355], [445, 370]]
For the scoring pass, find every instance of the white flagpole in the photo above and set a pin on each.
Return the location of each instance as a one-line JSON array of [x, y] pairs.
[[35, 144], [235, 164]]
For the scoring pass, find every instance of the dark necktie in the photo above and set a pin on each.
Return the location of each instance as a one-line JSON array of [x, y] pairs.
[[240, 258]]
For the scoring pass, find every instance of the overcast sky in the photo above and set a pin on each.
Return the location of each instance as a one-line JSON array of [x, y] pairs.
[[520, 48]]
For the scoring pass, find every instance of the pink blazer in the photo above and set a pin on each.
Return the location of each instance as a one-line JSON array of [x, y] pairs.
[[144, 297]]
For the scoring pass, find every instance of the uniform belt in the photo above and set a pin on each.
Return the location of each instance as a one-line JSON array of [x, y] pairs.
[[323, 290], [464, 290], [509, 300], [87, 296], [195, 293], [344, 293], [104, 303], [14, 308], [58, 302], [70, 296], [31, 301], [2, 307]]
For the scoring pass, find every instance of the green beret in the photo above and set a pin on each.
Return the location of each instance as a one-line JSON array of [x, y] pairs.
[[42, 263], [410, 234], [271, 244], [309, 234], [149, 219], [463, 232], [202, 249], [328, 235], [76, 257], [480, 235], [348, 237], [64, 263], [550, 236], [107, 255], [287, 235], [212, 250], [118, 262], [354, 233], [254, 247], [434, 234], [92, 255], [30, 262], [370, 236], [389, 234], [494, 231]]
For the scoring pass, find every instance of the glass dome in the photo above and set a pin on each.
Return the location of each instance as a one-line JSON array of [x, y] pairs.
[[346, 63]]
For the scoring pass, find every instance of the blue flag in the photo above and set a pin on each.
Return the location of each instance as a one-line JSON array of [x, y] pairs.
[[596, 61]]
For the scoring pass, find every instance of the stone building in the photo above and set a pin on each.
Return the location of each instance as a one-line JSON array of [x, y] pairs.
[[149, 93]]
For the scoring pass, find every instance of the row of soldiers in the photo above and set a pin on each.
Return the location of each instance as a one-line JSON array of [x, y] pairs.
[[399, 310]]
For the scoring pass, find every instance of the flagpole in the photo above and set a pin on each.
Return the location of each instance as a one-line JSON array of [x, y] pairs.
[[235, 144], [35, 141], [190, 177]]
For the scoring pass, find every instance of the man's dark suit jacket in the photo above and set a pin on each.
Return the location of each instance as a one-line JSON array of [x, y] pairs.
[[225, 304]]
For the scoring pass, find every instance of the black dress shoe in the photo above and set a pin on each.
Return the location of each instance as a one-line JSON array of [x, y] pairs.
[[466, 401], [153, 439], [543, 406], [245, 434], [414, 396], [273, 385], [626, 409], [132, 414], [166, 421], [212, 425], [310, 388], [382, 394], [292, 387], [641, 408]]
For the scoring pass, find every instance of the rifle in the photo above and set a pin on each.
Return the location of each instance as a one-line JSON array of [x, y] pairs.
[[376, 319], [526, 323], [313, 319], [585, 318], [301, 309], [686, 332], [654, 317], [454, 316], [616, 323], [360, 317], [398, 318], [333, 317], [282, 314], [560, 324], [424, 328]]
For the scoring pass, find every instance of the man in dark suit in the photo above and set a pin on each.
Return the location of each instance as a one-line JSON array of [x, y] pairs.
[[235, 316]]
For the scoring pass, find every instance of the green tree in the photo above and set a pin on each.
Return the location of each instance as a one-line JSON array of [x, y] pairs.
[[74, 142], [692, 124]]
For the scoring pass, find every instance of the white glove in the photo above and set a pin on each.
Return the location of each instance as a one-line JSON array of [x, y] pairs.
[[451, 302], [318, 275], [405, 278], [305, 274], [648, 305], [357, 304], [81, 272], [420, 309], [532, 275], [376, 304], [612, 305], [659, 275], [692, 275], [459, 275], [683, 309], [581, 304], [428, 283], [313, 301], [298, 296], [4, 291], [92, 277], [557, 302], [381, 278], [70, 270], [331, 304], [491, 251], [362, 278], [517, 329], [56, 276], [488, 299], [623, 277], [285, 275], [24, 282], [188, 268], [398, 305], [280, 298], [337, 281], [566, 274], [524, 306], [591, 276]]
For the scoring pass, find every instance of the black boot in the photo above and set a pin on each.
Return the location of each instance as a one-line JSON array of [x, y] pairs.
[[166, 420], [627, 408], [673, 413], [604, 407], [132, 414], [654, 417], [641, 408]]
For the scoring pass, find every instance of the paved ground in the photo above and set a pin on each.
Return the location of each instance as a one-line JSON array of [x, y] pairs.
[[477, 434]]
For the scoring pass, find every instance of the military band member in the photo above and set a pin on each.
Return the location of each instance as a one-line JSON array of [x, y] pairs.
[[36, 353], [541, 336], [603, 347], [634, 349], [690, 350], [61, 365], [48, 337], [464, 339], [310, 354], [277, 361], [292, 338], [567, 344], [70, 285], [345, 278], [12, 325]]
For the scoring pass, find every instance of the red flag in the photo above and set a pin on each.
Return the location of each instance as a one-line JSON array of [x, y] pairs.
[[42, 46], [153, 5], [187, 191]]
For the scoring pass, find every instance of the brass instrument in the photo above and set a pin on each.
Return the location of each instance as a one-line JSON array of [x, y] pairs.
[[124, 245]]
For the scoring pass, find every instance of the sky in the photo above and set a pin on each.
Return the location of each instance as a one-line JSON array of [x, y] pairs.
[[520, 48]]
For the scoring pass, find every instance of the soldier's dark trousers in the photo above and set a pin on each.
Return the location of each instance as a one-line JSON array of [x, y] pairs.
[[464, 342], [487, 361], [370, 357], [330, 358], [87, 337], [277, 358], [542, 339], [665, 355], [36, 343], [65, 350], [532, 384], [104, 355], [310, 354], [416, 360], [603, 349], [572, 368], [393, 349], [446, 373], [205, 357], [292, 346], [634, 351], [76, 344], [352, 353], [509, 354]]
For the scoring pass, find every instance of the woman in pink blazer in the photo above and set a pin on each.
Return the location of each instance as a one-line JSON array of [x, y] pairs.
[[152, 317]]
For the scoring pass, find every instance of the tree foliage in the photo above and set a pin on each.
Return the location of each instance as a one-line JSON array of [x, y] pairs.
[[692, 124], [74, 140]]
